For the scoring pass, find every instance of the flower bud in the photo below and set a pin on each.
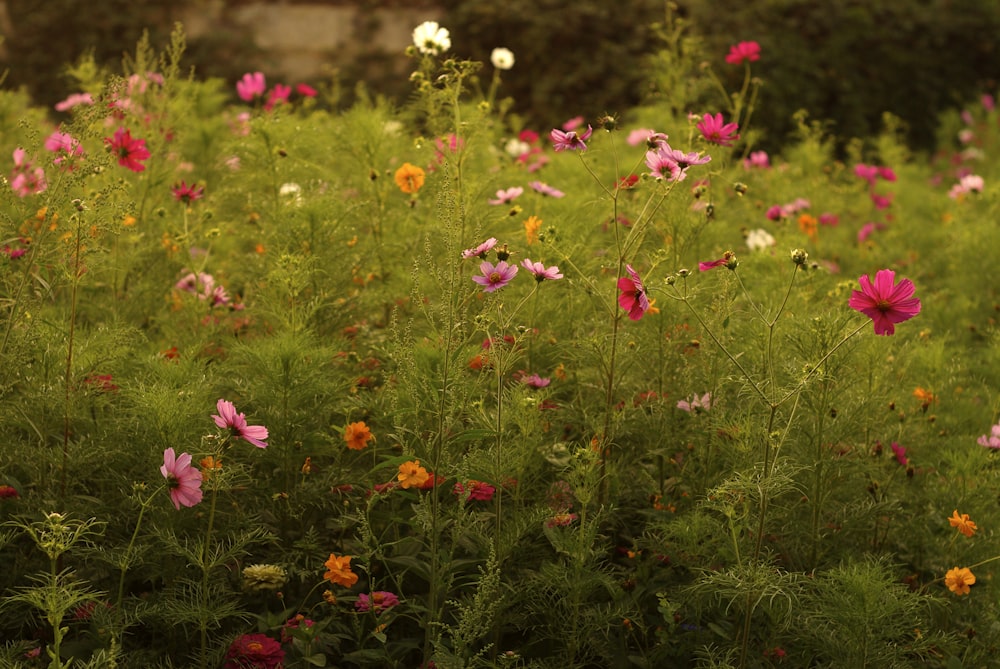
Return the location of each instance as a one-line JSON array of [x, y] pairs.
[[740, 188], [799, 257], [682, 273]]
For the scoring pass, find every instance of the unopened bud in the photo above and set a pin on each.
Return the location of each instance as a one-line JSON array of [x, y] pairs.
[[740, 188], [799, 257]]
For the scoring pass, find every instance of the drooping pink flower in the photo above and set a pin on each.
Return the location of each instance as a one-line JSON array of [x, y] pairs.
[[236, 423], [251, 86], [378, 601], [728, 260], [991, 440], [480, 250], [696, 404], [540, 272], [715, 130], [743, 51], [632, 297], [647, 136], [130, 151], [885, 301], [183, 480], [255, 651], [495, 277], [506, 196], [570, 140], [187, 193], [26, 179], [546, 189]]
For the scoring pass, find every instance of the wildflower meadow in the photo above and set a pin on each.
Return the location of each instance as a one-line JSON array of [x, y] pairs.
[[418, 385]]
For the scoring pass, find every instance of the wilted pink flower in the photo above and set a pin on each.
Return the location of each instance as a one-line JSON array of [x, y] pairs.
[[570, 141], [26, 179], [74, 100], [743, 51], [236, 423], [540, 272], [885, 302], [187, 194], [757, 159], [507, 196], [991, 440], [480, 250], [478, 490], [728, 260], [546, 189], [715, 130], [129, 151], [633, 297], [183, 480], [495, 277], [378, 601], [696, 404], [251, 86]]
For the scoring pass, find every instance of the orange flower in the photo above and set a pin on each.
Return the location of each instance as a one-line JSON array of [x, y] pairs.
[[531, 227], [357, 435], [964, 525], [340, 571], [959, 579], [808, 224], [926, 397], [412, 475], [208, 465], [409, 178]]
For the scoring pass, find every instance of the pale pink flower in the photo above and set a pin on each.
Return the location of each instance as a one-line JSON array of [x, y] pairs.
[[696, 404], [74, 100], [757, 159], [540, 272], [495, 277], [507, 196], [236, 423], [991, 440], [183, 480], [571, 140], [480, 250], [26, 179]]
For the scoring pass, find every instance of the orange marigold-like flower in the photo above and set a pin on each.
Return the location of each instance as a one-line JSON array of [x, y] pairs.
[[357, 435], [809, 224], [412, 475], [964, 525], [340, 571], [959, 579], [409, 178], [531, 227]]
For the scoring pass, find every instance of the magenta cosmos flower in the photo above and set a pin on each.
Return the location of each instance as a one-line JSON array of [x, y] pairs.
[[540, 272], [715, 130], [672, 164], [251, 86], [183, 480], [885, 301], [507, 196], [545, 189], [378, 601], [633, 294], [128, 150], [571, 140], [187, 194], [237, 424], [480, 250], [494, 277], [743, 52]]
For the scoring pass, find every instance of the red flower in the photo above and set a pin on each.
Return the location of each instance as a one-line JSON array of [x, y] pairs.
[[254, 651], [128, 150], [744, 51], [633, 294]]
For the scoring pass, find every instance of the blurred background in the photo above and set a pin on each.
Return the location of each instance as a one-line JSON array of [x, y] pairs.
[[845, 62]]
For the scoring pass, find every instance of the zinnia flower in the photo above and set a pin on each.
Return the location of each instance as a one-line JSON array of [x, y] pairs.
[[339, 570], [743, 52], [964, 525], [251, 86], [633, 297], [959, 579], [540, 272], [357, 436], [183, 480], [130, 151], [570, 140], [237, 424], [715, 130], [255, 651], [431, 39], [885, 302], [412, 475], [478, 490], [409, 178], [502, 58], [261, 577], [378, 601], [495, 277]]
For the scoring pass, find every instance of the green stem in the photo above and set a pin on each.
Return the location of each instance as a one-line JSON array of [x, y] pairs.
[[205, 569]]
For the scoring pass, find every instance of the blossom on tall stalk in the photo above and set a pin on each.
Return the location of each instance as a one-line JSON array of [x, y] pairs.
[[251, 86], [502, 58], [671, 164], [255, 651], [716, 131], [885, 301], [129, 151], [632, 297], [183, 479], [563, 140], [728, 260], [743, 52], [431, 39], [540, 272], [183, 192], [236, 423], [495, 277], [26, 179], [545, 189], [65, 145]]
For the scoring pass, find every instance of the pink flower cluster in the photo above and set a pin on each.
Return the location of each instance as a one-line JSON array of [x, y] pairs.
[[253, 86], [203, 285], [27, 178]]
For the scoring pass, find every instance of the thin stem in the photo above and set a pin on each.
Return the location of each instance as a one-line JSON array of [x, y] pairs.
[[68, 381], [205, 568]]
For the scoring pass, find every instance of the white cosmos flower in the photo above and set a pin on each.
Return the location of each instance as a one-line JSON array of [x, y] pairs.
[[759, 239], [502, 58], [431, 39]]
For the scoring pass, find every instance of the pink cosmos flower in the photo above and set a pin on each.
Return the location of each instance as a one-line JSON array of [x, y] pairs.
[[533, 380], [74, 100], [830, 219], [757, 159], [743, 51], [278, 94], [900, 453], [633, 297], [129, 151], [305, 90], [970, 183], [540, 272], [495, 277], [867, 172], [885, 302], [671, 164], [378, 601], [989, 104], [728, 259], [570, 140], [546, 189], [867, 229], [187, 194], [881, 201], [478, 491], [26, 179], [715, 130], [65, 145], [991, 440], [507, 196], [480, 250], [776, 213], [251, 86], [183, 480], [650, 138], [236, 423], [696, 404]]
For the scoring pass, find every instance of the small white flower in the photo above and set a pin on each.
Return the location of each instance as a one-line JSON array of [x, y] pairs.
[[291, 193], [502, 58], [516, 147], [431, 39], [759, 239]]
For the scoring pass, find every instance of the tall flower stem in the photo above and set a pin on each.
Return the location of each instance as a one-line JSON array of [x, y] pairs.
[[205, 569], [68, 380]]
